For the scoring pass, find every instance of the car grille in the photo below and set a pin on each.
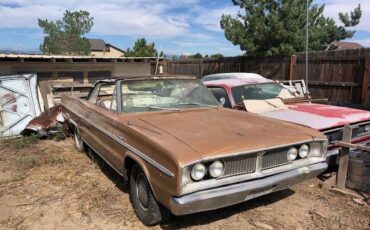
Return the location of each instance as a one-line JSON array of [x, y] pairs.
[[240, 165], [274, 159], [244, 164], [334, 136]]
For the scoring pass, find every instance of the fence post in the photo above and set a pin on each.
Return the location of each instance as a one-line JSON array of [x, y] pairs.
[[200, 75], [365, 80], [293, 63], [344, 158]]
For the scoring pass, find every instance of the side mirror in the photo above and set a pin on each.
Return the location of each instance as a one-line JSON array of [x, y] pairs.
[[222, 101]]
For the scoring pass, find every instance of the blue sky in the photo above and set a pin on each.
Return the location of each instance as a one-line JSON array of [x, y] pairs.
[[176, 26]]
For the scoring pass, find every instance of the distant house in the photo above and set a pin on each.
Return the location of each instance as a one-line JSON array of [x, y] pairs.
[[101, 49], [344, 46]]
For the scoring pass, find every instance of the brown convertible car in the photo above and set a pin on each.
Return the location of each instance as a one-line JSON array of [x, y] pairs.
[[182, 152]]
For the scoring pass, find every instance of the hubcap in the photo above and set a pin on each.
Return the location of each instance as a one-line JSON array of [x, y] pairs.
[[142, 192]]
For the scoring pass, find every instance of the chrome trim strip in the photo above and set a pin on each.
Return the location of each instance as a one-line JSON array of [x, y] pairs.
[[352, 125], [143, 156], [136, 152], [73, 123], [332, 130], [361, 135], [360, 123]]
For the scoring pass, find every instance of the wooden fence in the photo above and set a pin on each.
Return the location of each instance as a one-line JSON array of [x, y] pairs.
[[342, 76]]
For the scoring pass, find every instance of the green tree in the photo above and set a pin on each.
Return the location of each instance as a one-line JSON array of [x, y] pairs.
[[197, 55], [143, 49], [218, 55], [277, 27], [65, 36]]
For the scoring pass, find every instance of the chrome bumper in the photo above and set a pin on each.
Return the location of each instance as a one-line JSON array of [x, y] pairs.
[[215, 198]]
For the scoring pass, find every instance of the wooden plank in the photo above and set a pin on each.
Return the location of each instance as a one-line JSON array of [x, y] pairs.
[[200, 75], [365, 80], [344, 158], [85, 77], [300, 100], [340, 84], [333, 59], [354, 146], [293, 63]]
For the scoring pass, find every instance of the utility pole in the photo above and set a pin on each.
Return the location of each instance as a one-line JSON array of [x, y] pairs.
[[307, 44]]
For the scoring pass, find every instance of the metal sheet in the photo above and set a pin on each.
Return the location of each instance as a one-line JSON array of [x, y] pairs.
[[319, 116], [19, 103]]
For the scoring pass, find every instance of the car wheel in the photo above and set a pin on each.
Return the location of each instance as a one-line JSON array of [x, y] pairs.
[[79, 144], [146, 207]]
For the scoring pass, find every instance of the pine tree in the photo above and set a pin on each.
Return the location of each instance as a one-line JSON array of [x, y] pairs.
[[277, 27], [64, 36], [142, 49]]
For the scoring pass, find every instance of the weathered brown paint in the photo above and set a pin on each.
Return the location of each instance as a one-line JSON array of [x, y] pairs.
[[175, 139]]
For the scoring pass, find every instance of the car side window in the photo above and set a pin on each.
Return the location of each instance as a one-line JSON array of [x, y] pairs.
[[103, 95], [94, 94], [221, 93], [113, 105]]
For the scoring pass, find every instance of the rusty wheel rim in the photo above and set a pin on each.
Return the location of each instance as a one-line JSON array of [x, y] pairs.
[[142, 191]]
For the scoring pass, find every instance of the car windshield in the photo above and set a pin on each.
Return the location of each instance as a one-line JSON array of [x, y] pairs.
[[165, 94], [256, 92]]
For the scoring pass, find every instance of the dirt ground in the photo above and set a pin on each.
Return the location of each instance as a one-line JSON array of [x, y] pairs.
[[49, 185]]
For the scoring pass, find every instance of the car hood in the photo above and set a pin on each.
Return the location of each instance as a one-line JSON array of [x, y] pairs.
[[213, 132], [318, 116]]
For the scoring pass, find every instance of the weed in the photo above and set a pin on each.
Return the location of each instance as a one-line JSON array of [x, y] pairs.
[[27, 162], [59, 134], [26, 141], [56, 160]]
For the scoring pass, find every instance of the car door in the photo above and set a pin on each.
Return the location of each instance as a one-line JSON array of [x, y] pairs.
[[101, 116]]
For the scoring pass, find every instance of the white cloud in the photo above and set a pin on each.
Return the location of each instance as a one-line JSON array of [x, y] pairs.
[[210, 18], [192, 44], [200, 36], [26, 17], [333, 7], [134, 22], [123, 17]]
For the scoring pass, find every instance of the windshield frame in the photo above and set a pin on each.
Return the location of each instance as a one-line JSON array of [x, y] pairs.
[[261, 83], [120, 105]]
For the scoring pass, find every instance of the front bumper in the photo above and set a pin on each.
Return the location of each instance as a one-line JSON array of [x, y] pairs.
[[236, 193]]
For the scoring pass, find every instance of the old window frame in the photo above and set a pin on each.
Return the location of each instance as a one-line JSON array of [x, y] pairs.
[[97, 88]]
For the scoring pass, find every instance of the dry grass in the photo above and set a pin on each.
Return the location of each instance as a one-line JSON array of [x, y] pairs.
[[49, 185], [25, 142]]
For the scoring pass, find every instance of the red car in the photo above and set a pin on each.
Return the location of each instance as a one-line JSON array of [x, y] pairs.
[[270, 99]]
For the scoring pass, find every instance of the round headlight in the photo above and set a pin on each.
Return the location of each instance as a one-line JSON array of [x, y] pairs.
[[198, 172], [292, 154], [216, 169], [303, 151]]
